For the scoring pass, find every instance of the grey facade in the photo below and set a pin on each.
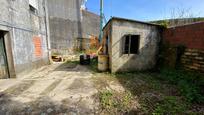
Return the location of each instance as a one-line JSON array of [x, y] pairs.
[[67, 22], [21, 28], [148, 36]]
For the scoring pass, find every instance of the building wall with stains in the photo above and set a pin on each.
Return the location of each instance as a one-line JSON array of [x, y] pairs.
[[27, 33], [148, 46], [68, 22]]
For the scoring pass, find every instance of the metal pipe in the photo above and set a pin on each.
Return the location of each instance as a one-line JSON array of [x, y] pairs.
[[101, 21]]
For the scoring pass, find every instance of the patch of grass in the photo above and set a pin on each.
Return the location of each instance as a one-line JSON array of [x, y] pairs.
[[170, 105], [189, 84], [72, 62], [113, 102], [106, 99], [167, 92]]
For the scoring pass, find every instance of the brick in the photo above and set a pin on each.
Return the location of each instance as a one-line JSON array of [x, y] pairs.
[[199, 58], [187, 53], [196, 65]]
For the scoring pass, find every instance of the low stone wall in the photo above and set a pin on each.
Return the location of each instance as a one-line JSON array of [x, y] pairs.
[[193, 59]]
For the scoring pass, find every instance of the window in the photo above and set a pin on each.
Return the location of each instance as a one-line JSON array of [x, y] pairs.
[[131, 44], [33, 6], [32, 9]]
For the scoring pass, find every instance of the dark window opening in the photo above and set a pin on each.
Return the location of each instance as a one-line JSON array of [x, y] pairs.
[[107, 44], [131, 44], [32, 9]]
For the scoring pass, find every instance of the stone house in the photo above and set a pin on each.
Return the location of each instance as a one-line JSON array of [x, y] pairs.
[[29, 29], [23, 41], [131, 45]]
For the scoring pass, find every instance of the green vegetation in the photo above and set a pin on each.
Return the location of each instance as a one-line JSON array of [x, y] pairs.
[[71, 64], [190, 84], [170, 105], [114, 102], [167, 92], [164, 23], [94, 65], [167, 22]]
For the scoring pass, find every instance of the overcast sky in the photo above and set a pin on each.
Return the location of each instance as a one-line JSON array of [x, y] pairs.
[[146, 10]]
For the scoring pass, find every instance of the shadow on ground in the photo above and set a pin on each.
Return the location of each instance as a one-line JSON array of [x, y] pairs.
[[149, 92], [43, 105], [132, 93], [63, 89]]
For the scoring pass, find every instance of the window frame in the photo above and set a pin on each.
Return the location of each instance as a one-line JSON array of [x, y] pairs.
[[129, 36], [33, 6]]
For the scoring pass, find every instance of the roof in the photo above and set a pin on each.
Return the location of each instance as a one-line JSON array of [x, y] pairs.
[[131, 20]]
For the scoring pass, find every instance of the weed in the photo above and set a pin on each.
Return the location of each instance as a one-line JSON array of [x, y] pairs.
[[126, 100], [94, 65], [106, 99], [170, 105], [72, 62], [188, 83], [116, 102]]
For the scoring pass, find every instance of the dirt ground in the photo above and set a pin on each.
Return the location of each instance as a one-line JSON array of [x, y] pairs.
[[72, 89]]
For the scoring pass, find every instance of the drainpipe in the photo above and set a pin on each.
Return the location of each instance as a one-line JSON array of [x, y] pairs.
[[101, 21], [47, 29]]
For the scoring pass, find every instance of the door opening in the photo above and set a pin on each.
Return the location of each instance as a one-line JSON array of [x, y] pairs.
[[4, 73]]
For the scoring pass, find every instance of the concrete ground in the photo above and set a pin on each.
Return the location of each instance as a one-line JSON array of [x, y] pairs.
[[53, 89]]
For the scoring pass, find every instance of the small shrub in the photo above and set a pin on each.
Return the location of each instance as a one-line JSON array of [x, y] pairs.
[[94, 65]]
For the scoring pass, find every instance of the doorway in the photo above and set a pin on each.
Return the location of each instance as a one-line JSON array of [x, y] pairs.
[[4, 74]]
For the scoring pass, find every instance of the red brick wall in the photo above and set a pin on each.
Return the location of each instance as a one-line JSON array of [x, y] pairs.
[[192, 36]]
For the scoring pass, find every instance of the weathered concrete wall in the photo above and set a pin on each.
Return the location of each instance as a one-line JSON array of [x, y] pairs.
[[68, 22], [90, 24], [148, 48], [22, 25], [107, 33]]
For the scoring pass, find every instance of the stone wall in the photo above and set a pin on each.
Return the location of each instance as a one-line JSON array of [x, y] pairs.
[[23, 26]]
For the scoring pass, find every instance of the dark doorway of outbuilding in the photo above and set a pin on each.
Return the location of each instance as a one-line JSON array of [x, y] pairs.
[[3, 58]]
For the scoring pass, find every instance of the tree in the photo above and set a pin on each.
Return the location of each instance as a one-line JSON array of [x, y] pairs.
[[181, 16]]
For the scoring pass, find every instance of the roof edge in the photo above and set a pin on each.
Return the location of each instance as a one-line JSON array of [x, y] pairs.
[[130, 20], [187, 24]]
